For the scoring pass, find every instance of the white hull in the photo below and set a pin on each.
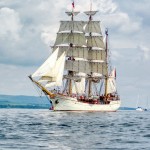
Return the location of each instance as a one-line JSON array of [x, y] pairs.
[[64, 103]]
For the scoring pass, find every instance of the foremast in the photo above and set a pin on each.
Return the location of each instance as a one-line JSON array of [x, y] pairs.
[[71, 73], [71, 39]]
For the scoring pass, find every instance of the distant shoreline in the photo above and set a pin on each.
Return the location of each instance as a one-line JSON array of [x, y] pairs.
[[30, 102]]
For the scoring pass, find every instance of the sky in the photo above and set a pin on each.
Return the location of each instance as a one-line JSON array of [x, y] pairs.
[[28, 29]]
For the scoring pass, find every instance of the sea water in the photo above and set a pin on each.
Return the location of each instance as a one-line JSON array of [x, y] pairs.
[[42, 129]]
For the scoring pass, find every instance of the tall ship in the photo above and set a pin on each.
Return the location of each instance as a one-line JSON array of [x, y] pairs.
[[78, 76]]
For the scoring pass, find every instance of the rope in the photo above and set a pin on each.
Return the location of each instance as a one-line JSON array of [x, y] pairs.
[[37, 89], [101, 87]]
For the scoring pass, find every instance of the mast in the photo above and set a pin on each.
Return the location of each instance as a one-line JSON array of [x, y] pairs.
[[72, 11], [96, 50], [90, 87], [90, 17], [70, 73], [42, 87], [90, 34], [106, 79], [90, 81], [71, 34]]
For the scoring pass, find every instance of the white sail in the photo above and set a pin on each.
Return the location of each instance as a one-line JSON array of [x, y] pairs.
[[111, 86], [77, 39], [86, 66], [79, 87], [96, 75], [98, 67], [57, 72], [47, 65], [47, 78], [93, 27], [80, 74], [77, 66], [74, 88], [71, 26], [59, 68], [113, 73], [50, 84], [97, 55], [75, 51], [95, 41], [79, 52]]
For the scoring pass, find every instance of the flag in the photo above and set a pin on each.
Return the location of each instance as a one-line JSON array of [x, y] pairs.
[[73, 4], [115, 73]]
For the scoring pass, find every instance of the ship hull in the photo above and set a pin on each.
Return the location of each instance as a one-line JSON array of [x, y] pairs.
[[141, 109], [63, 103]]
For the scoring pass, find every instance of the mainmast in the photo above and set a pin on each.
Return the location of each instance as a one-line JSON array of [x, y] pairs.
[[71, 73], [96, 50], [90, 34], [106, 79]]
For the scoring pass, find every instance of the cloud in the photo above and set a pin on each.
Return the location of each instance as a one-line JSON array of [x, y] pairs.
[[145, 52], [48, 35], [115, 55], [10, 25], [106, 6], [20, 40], [15, 80], [36, 26], [137, 9], [121, 22]]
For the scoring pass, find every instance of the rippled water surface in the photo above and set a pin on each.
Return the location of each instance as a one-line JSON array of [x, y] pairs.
[[23, 129]]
